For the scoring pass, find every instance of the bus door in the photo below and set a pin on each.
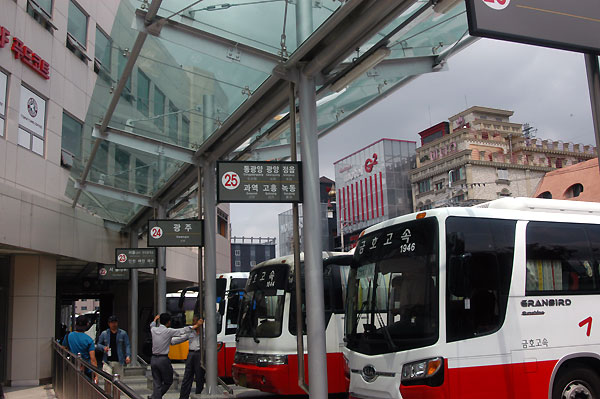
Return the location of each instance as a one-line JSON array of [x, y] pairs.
[[479, 268]]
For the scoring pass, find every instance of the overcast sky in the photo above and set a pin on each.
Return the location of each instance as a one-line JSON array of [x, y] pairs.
[[546, 88]]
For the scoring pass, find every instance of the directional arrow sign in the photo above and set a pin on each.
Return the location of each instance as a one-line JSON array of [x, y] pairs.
[[587, 321]]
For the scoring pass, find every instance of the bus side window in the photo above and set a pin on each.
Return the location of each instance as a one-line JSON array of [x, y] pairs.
[[559, 258], [479, 267]]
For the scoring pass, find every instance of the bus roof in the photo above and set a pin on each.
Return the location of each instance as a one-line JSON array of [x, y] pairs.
[[289, 259], [511, 208]]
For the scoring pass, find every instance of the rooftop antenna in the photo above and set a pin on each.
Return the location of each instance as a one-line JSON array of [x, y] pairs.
[[529, 132]]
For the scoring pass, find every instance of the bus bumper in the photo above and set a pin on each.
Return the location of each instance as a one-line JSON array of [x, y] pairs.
[[274, 379]]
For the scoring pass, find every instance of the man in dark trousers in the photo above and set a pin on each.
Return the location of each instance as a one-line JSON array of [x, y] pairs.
[[114, 342], [160, 364], [193, 363]]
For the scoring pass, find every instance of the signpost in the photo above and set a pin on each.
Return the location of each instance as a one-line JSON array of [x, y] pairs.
[[264, 182], [135, 258], [564, 24], [109, 272]]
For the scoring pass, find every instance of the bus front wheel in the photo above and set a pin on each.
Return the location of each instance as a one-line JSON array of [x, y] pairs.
[[577, 383]]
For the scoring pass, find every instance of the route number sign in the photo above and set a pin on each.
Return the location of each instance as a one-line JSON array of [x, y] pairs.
[[230, 180], [175, 233], [134, 258], [122, 258], [156, 232]]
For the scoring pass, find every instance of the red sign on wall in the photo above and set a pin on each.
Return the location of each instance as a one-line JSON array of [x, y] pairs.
[[25, 54]]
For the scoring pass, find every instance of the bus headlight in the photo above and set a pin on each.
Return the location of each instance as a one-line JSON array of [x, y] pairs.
[[424, 372], [271, 360]]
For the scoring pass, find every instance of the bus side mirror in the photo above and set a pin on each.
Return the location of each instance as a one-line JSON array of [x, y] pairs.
[[459, 276]]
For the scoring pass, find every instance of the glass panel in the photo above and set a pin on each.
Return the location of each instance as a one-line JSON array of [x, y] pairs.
[[24, 139], [143, 93], [121, 65], [1, 127], [122, 168], [159, 108], [77, 24], [141, 176], [71, 135], [45, 5], [103, 49], [173, 123]]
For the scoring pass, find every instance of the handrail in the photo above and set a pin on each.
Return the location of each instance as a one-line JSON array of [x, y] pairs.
[[112, 380]]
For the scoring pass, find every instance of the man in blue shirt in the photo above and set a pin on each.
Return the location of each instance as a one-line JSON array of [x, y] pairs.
[[79, 342], [114, 342]]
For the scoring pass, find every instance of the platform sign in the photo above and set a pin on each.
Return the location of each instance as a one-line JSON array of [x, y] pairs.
[[110, 272], [564, 24], [135, 258], [176, 233], [264, 182]]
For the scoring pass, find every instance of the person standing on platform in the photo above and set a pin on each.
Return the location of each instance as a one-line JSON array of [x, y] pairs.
[[193, 363], [114, 342], [78, 342], [160, 364]]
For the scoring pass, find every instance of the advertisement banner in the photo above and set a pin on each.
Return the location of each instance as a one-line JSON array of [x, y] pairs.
[[32, 112]]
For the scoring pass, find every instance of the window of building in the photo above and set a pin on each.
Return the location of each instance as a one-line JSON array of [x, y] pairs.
[[141, 177], [559, 163], [44, 5], [439, 185], [560, 259], [122, 169], [252, 263], [425, 186], [71, 136], [574, 191], [238, 263], [222, 225], [479, 259], [3, 86], [267, 252], [159, 108], [32, 121], [122, 61], [84, 308], [485, 135], [173, 122], [457, 174], [545, 194], [41, 11], [77, 24], [143, 93], [238, 252], [502, 174], [103, 51]]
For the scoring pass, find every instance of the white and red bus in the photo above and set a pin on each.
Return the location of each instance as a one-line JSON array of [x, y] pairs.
[[266, 358], [183, 304], [495, 301]]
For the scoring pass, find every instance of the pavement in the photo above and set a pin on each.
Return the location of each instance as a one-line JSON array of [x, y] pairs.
[[39, 392]]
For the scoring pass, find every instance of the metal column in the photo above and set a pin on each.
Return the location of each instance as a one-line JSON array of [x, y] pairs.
[[133, 310], [210, 274], [200, 269], [161, 290], [593, 75], [313, 247]]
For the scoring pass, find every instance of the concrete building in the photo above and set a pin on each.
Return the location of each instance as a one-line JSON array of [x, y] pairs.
[[372, 186], [481, 155], [247, 252], [576, 182], [59, 63]]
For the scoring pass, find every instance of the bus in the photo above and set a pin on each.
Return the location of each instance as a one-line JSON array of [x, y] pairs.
[[494, 301], [183, 304], [267, 353]]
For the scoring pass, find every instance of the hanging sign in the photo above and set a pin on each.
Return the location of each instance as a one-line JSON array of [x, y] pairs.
[[264, 182], [176, 233], [135, 258], [110, 272]]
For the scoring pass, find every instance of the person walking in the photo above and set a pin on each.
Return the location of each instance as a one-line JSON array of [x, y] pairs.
[[160, 364], [114, 342], [193, 364], [78, 342]]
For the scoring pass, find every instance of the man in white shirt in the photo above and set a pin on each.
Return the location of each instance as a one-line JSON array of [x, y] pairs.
[[193, 363], [160, 364]]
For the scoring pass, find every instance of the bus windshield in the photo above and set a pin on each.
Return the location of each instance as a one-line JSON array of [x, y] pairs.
[[392, 294], [262, 304]]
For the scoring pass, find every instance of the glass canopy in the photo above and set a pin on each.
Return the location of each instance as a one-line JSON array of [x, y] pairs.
[[210, 59]]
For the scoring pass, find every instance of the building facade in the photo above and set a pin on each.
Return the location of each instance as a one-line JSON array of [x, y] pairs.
[[247, 252], [373, 185], [484, 156], [60, 61], [327, 216], [576, 182]]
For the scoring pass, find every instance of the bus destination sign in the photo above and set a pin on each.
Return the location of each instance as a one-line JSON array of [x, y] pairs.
[[135, 258], [260, 182], [175, 233]]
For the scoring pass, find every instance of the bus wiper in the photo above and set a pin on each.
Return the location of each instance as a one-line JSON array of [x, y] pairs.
[[362, 308], [386, 333]]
